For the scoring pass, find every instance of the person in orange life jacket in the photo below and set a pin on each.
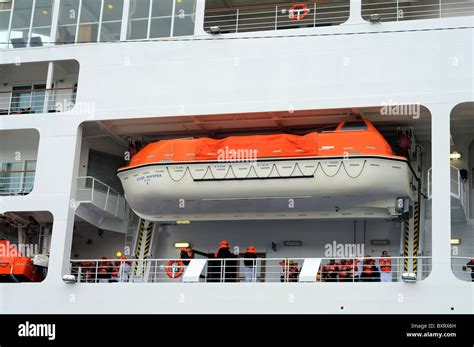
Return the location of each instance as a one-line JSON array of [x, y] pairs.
[[470, 265], [224, 266], [250, 264], [357, 268], [341, 271], [385, 266], [104, 270], [368, 270], [376, 270], [349, 270], [124, 270], [289, 271], [331, 271]]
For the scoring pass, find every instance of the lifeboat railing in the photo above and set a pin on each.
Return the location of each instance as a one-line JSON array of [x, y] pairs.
[[457, 184], [91, 190], [28, 101], [462, 269], [16, 182], [233, 270]]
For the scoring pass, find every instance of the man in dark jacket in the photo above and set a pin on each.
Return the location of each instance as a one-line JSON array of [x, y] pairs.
[[224, 266]]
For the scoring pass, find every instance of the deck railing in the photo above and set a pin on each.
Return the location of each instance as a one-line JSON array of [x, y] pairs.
[[403, 10], [233, 270], [17, 102], [271, 17], [16, 182], [91, 190]]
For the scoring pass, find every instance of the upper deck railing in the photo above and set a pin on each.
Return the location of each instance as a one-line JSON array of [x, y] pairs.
[[234, 270], [262, 18], [25, 24], [16, 102], [403, 10]]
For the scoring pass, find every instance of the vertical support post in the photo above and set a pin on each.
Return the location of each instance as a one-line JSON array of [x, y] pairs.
[[54, 22], [125, 20], [49, 85], [199, 17]]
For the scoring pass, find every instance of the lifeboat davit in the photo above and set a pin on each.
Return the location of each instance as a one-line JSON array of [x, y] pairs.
[[350, 172]]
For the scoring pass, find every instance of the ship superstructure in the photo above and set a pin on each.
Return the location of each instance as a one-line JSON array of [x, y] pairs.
[[136, 136]]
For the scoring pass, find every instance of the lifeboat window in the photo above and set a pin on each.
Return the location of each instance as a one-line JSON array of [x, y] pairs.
[[351, 126]]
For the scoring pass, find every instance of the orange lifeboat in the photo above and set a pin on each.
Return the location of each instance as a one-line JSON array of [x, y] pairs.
[[14, 267], [350, 169]]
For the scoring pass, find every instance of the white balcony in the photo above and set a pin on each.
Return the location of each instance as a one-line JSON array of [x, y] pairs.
[[100, 205], [36, 100]]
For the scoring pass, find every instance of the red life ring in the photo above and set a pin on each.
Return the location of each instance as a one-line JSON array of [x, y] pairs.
[[170, 269], [298, 12]]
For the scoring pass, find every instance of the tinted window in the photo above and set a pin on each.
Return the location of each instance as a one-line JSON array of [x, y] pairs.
[[358, 125]]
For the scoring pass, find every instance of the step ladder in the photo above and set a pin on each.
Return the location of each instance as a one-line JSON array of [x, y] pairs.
[[142, 250]]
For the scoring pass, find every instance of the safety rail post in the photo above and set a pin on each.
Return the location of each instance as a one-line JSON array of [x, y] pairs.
[[96, 271], [79, 274], [398, 8], [440, 8], [314, 16], [237, 20], [276, 18]]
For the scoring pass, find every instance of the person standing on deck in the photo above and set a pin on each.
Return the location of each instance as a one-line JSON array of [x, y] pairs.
[[385, 265], [250, 264]]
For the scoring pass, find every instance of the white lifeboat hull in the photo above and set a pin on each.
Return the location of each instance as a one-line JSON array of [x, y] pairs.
[[356, 187]]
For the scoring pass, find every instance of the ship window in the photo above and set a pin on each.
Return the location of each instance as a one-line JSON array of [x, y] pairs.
[[17, 178], [161, 18], [350, 126], [67, 24], [111, 20], [41, 30], [28, 98], [4, 22], [160, 27]]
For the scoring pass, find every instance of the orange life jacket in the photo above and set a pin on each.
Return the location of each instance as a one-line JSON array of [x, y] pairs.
[[385, 265]]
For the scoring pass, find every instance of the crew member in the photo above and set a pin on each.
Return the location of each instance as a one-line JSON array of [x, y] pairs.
[[225, 268], [368, 270], [186, 253], [331, 271], [250, 264], [125, 270], [385, 265], [470, 265]]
